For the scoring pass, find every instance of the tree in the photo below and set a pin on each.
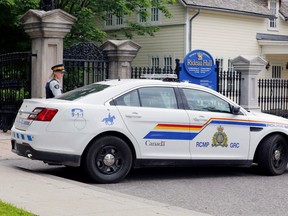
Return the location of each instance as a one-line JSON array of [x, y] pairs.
[[87, 12], [12, 37]]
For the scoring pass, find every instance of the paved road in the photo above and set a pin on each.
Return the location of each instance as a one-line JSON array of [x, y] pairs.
[[214, 191], [35, 187]]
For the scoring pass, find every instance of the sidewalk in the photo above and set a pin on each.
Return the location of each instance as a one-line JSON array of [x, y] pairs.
[[44, 194]]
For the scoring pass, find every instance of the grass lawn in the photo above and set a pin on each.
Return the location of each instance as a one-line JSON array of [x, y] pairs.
[[10, 210]]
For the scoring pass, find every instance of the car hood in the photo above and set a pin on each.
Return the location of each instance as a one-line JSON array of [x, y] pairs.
[[260, 116]]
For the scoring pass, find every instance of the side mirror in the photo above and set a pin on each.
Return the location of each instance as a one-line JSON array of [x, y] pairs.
[[235, 110]]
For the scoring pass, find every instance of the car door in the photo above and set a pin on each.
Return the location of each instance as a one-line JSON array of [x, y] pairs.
[[152, 116], [216, 133]]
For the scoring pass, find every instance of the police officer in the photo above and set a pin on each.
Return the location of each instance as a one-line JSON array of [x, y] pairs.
[[53, 86]]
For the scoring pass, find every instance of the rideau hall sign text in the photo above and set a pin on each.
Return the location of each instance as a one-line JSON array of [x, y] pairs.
[[199, 68]]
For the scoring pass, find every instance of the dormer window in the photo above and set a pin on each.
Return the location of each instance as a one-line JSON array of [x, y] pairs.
[[273, 6]]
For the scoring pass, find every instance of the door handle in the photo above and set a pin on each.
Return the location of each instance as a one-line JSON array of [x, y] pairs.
[[200, 119], [133, 115]]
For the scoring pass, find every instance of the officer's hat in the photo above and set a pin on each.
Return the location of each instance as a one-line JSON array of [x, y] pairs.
[[58, 68]]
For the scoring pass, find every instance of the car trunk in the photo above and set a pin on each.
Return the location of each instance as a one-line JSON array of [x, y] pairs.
[[22, 122]]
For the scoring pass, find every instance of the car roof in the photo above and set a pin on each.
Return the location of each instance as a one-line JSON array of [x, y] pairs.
[[139, 82], [115, 82], [120, 86]]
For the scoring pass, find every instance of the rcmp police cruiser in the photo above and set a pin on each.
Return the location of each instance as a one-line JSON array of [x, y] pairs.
[[53, 87]]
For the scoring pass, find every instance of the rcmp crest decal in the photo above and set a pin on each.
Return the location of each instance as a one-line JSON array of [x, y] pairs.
[[220, 138]]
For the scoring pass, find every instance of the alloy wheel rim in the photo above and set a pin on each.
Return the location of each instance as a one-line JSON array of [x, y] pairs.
[[109, 160], [277, 157]]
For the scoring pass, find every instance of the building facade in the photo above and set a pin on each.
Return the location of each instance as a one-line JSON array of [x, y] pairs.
[[224, 28]]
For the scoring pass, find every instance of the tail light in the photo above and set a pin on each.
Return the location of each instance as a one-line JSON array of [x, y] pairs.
[[42, 114]]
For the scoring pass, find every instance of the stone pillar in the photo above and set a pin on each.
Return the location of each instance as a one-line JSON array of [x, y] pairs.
[[249, 66], [120, 54], [47, 30]]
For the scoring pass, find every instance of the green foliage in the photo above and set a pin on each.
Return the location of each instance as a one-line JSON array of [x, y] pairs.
[[84, 28], [87, 11], [13, 96], [13, 38], [139, 29]]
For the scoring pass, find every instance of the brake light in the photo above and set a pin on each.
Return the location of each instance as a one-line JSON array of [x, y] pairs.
[[42, 114]]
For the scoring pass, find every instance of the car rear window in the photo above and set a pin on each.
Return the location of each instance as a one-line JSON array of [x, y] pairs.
[[82, 91]]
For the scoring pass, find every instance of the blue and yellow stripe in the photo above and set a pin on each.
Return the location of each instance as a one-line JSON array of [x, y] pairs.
[[189, 132]]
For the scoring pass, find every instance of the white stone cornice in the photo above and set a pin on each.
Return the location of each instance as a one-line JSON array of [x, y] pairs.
[[54, 24], [121, 45]]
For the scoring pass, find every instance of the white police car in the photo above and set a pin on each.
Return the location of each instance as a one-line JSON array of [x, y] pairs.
[[111, 126]]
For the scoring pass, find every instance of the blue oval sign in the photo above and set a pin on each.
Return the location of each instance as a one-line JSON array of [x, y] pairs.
[[199, 63]]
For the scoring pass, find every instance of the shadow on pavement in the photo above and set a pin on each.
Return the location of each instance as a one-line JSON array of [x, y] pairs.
[[152, 174], [142, 174]]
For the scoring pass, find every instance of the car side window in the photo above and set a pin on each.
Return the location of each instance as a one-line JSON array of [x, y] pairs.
[[158, 97], [205, 101], [129, 99]]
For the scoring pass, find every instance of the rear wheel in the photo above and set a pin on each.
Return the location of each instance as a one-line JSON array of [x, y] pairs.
[[273, 155], [108, 160]]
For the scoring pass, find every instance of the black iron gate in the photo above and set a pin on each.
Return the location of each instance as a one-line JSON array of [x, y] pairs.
[[228, 82], [273, 96], [15, 85], [85, 63]]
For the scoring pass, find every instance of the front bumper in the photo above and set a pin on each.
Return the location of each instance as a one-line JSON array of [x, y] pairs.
[[25, 150]]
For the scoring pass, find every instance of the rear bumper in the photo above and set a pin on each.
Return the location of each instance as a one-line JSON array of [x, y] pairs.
[[26, 150]]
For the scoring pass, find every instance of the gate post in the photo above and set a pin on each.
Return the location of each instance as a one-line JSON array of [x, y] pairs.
[[120, 54], [250, 67], [47, 30]]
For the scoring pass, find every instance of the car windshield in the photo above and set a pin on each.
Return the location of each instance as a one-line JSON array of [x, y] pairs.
[[82, 91]]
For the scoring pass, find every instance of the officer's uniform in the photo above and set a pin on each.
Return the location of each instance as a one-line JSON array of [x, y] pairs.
[[53, 87]]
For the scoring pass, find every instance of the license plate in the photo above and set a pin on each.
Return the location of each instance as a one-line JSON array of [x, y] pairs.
[[22, 123]]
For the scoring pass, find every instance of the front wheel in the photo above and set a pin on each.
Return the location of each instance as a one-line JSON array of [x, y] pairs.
[[108, 160], [273, 155]]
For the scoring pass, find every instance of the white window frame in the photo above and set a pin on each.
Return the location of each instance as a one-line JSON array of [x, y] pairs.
[[273, 6], [113, 20], [276, 70], [154, 14], [119, 20], [155, 62], [142, 19], [167, 62], [162, 61], [109, 19]]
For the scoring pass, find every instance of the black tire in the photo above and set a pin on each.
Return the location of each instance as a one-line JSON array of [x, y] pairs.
[[108, 160], [273, 155]]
